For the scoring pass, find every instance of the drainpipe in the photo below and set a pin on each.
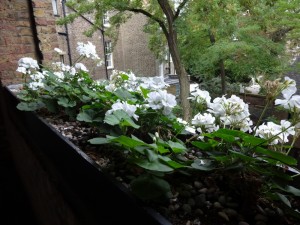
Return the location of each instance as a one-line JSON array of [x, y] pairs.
[[104, 52], [38, 51], [63, 2]]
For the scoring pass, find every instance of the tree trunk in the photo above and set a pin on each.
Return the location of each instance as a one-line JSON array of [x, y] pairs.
[[171, 36], [183, 79]]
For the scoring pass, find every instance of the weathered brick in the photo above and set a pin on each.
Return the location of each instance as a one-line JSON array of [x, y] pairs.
[[39, 13], [41, 21], [25, 31], [27, 40]]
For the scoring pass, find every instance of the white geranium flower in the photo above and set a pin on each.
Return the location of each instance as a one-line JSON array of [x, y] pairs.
[[292, 104], [129, 109], [286, 130], [190, 129], [35, 85], [290, 89], [22, 70], [37, 76], [28, 62], [60, 75], [268, 131], [183, 122], [87, 50], [227, 107], [25, 64], [200, 96], [161, 100], [81, 66], [206, 121], [153, 83]]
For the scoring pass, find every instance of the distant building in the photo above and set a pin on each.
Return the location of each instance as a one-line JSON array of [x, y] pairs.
[[28, 29], [131, 51]]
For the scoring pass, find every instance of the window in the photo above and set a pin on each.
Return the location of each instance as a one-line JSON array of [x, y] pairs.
[[109, 55], [106, 20], [55, 9]]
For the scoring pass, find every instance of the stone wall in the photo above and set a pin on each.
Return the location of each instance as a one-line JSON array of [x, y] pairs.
[[27, 29]]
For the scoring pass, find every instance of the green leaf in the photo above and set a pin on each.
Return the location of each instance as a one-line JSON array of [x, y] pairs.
[[99, 141], [65, 102], [276, 155], [144, 91], [154, 165], [254, 141], [89, 116], [224, 136], [202, 145], [120, 117], [161, 149], [292, 190], [203, 164], [30, 106], [175, 164], [148, 187], [242, 156], [177, 147], [51, 105], [128, 142], [284, 199], [123, 94]]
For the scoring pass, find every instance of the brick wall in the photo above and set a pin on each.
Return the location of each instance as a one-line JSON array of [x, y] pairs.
[[44, 23], [131, 51], [18, 38]]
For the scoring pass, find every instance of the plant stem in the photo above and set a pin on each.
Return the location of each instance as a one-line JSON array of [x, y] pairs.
[[262, 114], [293, 142]]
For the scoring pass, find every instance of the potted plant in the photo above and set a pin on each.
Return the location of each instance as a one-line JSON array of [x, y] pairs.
[[185, 169]]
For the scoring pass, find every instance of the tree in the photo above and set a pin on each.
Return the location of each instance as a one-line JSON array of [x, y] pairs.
[[162, 12], [239, 37], [234, 39]]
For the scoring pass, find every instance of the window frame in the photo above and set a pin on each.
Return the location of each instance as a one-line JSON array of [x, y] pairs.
[[108, 55]]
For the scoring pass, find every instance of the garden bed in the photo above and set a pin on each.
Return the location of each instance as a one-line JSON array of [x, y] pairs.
[[92, 184], [64, 184]]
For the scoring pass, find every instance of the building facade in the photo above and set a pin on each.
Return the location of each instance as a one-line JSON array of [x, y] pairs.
[[28, 29]]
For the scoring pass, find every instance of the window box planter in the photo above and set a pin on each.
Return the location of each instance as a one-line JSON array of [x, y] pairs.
[[65, 185]]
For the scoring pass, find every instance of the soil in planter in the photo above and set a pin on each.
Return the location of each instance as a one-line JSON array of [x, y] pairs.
[[197, 198]]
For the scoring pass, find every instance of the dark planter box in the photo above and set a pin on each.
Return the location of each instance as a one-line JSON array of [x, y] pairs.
[[64, 185], [257, 104]]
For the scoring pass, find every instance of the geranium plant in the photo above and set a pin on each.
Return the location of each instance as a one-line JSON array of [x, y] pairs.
[[137, 115]]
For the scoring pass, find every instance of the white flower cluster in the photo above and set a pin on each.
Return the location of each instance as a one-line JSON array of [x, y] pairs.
[[200, 96], [132, 83], [153, 83], [234, 113], [290, 102], [161, 100], [128, 108], [230, 112], [37, 81], [276, 133], [87, 50], [157, 99], [27, 63]]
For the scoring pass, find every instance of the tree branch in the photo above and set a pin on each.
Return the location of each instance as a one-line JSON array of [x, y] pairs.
[[149, 15], [180, 7]]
